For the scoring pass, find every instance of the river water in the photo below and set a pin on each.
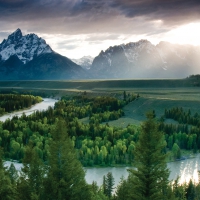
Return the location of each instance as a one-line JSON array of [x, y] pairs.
[[186, 169], [40, 106]]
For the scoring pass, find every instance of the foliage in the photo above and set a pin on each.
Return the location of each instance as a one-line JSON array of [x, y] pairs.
[[13, 102], [123, 189], [96, 144], [108, 183], [150, 179], [65, 175], [30, 184], [7, 192]]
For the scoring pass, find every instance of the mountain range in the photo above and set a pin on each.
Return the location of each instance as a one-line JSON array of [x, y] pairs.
[[85, 62], [28, 57], [144, 60]]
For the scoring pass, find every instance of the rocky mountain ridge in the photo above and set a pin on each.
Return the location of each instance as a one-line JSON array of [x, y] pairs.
[[30, 58], [24, 47], [144, 60], [85, 62]]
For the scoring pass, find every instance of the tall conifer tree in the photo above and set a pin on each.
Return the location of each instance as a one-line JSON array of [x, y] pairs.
[[7, 190], [30, 184], [65, 177], [150, 180]]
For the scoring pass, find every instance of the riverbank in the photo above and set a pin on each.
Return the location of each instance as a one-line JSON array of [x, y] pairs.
[[39, 106], [20, 110], [185, 169]]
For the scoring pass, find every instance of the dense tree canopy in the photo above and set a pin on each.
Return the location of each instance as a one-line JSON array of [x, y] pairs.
[[65, 175], [45, 142], [13, 102], [150, 179]]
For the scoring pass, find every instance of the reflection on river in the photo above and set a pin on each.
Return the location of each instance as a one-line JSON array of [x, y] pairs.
[[186, 169], [39, 106]]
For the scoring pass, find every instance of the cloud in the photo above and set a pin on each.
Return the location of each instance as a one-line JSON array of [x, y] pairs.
[[3, 35], [93, 8], [93, 22], [102, 37], [90, 16], [169, 11], [67, 45]]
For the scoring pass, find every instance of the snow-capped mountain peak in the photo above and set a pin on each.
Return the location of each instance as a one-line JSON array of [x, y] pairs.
[[24, 47], [85, 62], [143, 59], [131, 50], [15, 36]]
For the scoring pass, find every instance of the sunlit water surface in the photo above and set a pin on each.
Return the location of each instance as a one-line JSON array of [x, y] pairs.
[[186, 169], [40, 106]]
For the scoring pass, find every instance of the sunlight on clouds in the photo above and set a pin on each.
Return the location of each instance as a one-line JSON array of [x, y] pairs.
[[157, 23], [77, 46], [61, 44], [187, 34], [83, 46]]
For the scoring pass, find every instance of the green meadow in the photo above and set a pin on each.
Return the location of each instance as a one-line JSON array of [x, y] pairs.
[[155, 94]]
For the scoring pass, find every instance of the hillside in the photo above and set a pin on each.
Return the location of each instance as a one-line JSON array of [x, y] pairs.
[[29, 57], [142, 59]]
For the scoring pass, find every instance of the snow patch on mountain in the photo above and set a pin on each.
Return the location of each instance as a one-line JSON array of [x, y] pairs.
[[143, 59], [85, 62], [24, 47], [131, 50]]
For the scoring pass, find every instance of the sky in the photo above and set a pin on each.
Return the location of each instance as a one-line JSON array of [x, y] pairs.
[[77, 28]]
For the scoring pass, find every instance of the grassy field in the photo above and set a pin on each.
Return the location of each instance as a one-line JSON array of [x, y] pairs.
[[154, 94], [98, 84], [158, 100]]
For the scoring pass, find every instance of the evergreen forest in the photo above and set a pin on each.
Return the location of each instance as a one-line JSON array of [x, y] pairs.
[[14, 102], [55, 144]]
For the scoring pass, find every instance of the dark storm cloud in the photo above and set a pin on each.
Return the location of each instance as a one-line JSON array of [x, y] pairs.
[[167, 10], [96, 16]]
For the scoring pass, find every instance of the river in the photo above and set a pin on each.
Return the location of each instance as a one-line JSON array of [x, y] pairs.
[[39, 106], [186, 169]]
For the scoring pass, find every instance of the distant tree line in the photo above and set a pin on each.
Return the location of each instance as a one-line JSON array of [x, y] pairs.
[[13, 102], [185, 134], [196, 79]]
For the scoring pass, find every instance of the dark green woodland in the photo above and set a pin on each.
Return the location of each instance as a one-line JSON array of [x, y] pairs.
[[55, 144]]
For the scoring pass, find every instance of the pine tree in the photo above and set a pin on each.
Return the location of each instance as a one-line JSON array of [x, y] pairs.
[[13, 173], [179, 190], [122, 190], [108, 183], [150, 179], [124, 94], [65, 176], [7, 190], [30, 184], [97, 192], [190, 191]]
